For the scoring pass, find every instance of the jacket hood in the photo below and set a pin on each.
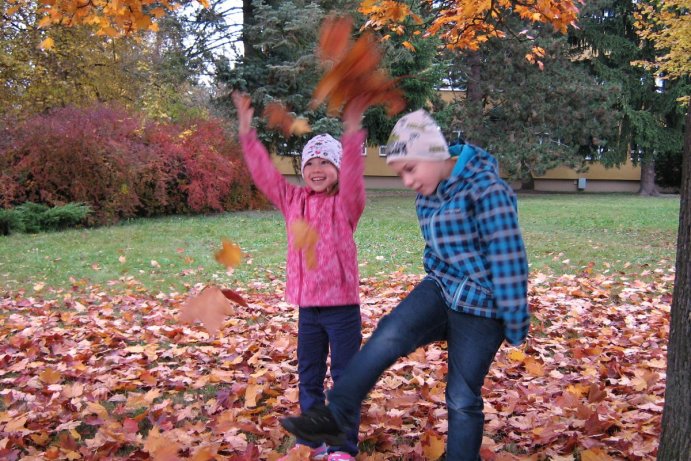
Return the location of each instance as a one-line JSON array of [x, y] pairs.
[[471, 162]]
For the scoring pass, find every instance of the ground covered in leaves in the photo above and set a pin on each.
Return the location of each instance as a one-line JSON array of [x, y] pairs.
[[87, 375]]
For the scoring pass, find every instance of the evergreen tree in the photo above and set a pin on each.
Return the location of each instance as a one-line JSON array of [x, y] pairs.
[[282, 66], [532, 119], [650, 121]]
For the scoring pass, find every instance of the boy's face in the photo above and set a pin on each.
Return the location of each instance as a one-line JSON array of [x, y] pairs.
[[320, 175], [422, 176]]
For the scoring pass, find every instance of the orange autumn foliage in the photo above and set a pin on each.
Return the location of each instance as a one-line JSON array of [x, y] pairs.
[[352, 71], [467, 24]]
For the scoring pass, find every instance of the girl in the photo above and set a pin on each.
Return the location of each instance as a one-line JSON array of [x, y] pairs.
[[327, 292]]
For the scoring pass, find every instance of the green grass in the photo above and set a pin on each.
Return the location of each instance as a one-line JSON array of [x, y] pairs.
[[563, 233]]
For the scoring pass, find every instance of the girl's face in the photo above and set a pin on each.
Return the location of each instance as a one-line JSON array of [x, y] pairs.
[[320, 175], [420, 175]]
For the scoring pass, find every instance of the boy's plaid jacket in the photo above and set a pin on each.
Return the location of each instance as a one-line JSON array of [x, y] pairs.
[[473, 245]]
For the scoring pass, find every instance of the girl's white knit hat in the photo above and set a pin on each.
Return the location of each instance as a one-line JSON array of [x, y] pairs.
[[322, 146], [416, 136]]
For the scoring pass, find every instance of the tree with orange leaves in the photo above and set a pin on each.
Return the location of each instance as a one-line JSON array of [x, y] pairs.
[[467, 24]]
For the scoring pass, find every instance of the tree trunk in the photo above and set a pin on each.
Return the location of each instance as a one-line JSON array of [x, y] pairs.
[[675, 442], [648, 186], [527, 182], [247, 19]]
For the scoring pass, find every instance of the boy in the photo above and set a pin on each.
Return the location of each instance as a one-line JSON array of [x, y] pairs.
[[474, 295]]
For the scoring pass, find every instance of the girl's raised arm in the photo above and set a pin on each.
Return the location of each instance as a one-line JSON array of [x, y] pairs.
[[351, 180], [264, 173]]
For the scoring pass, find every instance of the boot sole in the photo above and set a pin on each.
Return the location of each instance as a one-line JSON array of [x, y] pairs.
[[329, 439]]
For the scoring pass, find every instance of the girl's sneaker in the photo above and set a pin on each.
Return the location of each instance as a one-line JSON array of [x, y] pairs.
[[340, 456], [316, 454]]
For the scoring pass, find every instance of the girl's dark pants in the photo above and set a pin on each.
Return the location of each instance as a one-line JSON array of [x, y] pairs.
[[320, 329]]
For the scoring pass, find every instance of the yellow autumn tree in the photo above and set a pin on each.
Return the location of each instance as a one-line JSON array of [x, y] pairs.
[[109, 17], [667, 24]]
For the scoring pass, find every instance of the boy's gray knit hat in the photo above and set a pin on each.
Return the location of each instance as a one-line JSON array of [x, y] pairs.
[[322, 146], [416, 136]]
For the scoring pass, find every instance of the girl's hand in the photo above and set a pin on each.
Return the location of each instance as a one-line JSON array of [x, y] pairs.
[[352, 115], [243, 105]]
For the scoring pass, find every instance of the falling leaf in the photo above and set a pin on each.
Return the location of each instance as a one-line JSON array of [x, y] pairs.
[[352, 71], [233, 296], [278, 118], [305, 238], [210, 307], [230, 255]]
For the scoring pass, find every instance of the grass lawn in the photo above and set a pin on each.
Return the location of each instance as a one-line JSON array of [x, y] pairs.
[[563, 234]]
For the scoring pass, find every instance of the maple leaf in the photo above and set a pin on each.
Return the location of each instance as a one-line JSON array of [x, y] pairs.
[[49, 376], [305, 238], [210, 307], [432, 445], [277, 117], [352, 71], [230, 255]]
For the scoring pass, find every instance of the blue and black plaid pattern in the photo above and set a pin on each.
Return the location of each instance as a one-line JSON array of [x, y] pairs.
[[474, 248]]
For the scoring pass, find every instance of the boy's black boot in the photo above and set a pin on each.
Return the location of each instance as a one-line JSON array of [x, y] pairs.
[[315, 425]]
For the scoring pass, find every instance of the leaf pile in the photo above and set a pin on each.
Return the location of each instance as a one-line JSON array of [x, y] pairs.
[[91, 376]]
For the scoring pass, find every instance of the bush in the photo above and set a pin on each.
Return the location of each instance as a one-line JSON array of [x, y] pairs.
[[34, 217], [10, 221], [31, 215], [63, 217], [121, 166]]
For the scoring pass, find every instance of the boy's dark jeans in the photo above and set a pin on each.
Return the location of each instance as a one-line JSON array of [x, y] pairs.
[[338, 328], [421, 318]]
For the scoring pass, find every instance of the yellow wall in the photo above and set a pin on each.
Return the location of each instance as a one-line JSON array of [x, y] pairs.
[[376, 166], [626, 172]]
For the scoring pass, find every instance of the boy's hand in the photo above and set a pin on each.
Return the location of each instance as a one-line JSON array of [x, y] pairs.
[[352, 114], [243, 105]]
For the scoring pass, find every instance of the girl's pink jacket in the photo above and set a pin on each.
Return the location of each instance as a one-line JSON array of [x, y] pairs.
[[335, 280]]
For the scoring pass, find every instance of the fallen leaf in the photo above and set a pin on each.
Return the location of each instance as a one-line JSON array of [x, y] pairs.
[[432, 445], [49, 376]]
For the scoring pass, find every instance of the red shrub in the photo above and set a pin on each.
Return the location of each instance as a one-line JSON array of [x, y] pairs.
[[121, 166]]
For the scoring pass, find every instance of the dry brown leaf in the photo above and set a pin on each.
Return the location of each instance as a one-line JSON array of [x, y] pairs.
[[305, 238], [49, 376], [210, 307], [432, 445], [278, 118], [230, 255], [235, 297], [352, 71], [334, 39]]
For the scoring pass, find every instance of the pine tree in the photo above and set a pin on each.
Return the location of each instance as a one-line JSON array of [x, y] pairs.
[[651, 122]]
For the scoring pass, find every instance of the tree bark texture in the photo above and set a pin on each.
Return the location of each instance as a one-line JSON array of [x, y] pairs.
[[247, 19], [648, 186], [675, 442]]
